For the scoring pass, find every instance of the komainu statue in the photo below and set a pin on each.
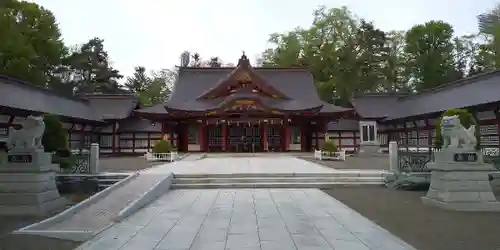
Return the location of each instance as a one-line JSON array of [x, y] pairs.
[[29, 136], [455, 135]]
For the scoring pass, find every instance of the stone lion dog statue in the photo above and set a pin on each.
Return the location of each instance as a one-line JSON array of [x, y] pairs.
[[455, 135], [29, 136]]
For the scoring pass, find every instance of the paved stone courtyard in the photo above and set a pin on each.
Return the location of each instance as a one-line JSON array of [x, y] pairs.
[[224, 165], [246, 219]]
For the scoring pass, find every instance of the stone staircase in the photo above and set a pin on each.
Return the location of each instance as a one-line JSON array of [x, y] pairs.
[[277, 180]]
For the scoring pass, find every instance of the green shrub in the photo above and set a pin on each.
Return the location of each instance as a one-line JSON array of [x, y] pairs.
[[329, 146], [66, 162], [162, 146], [63, 152], [55, 136], [466, 119]]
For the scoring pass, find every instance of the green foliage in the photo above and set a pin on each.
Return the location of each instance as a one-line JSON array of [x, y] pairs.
[[466, 119], [64, 162], [34, 46], [162, 146], [329, 146], [430, 51], [153, 88], [55, 136]]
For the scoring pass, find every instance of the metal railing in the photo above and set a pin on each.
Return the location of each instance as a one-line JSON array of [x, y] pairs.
[[414, 161]]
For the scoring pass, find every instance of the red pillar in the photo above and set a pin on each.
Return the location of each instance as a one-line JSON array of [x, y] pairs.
[[264, 134], [164, 130], [171, 135], [317, 132], [224, 136], [203, 130]]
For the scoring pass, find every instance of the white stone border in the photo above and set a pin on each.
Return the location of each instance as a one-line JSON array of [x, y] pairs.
[[74, 235], [158, 189], [323, 155]]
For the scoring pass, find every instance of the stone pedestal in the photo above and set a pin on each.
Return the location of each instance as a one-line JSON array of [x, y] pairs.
[[460, 182], [369, 150], [28, 186]]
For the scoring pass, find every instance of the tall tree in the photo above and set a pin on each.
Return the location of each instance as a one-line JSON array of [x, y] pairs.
[[30, 43], [467, 56], [196, 62], [214, 62], [153, 88], [489, 27], [394, 67], [430, 53], [344, 53], [139, 81], [92, 70]]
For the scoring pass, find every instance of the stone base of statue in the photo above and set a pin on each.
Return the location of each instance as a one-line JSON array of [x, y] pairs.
[[369, 150], [460, 182], [27, 184]]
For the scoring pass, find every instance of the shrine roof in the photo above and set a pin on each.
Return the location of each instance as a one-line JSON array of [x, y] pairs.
[[112, 106], [19, 95], [468, 92], [297, 84]]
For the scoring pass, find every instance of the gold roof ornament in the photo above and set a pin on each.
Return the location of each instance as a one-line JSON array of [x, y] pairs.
[[243, 76]]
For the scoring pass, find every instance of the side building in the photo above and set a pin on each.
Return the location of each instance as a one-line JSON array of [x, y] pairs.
[[410, 119], [104, 119]]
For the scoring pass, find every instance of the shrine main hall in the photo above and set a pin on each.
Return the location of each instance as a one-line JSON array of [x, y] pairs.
[[244, 109]]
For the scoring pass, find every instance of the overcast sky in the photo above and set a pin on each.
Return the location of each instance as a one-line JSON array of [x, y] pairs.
[[153, 33]]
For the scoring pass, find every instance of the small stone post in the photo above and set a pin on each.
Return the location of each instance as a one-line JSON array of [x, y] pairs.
[[94, 158], [393, 157]]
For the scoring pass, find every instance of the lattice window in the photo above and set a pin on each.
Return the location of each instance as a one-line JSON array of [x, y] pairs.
[[491, 140], [274, 136], [193, 134], [127, 143], [141, 143], [215, 135], [106, 141], [87, 140], [488, 129]]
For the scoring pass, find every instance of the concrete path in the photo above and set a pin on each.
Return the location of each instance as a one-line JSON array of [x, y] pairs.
[[232, 165], [100, 214], [246, 219]]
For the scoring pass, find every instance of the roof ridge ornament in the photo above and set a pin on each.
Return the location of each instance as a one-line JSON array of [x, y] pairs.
[[243, 62]]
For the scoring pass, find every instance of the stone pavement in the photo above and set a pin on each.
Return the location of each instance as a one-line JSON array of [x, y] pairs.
[[246, 219], [236, 165]]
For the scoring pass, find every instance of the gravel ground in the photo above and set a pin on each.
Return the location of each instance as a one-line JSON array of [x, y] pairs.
[[353, 162], [10, 241], [426, 228]]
